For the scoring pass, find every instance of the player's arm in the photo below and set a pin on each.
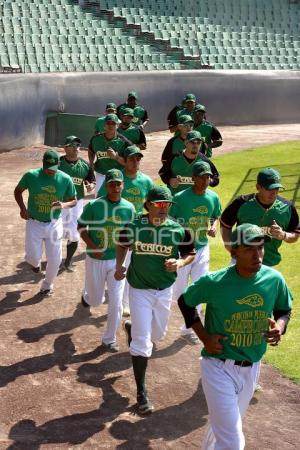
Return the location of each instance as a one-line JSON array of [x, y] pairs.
[[187, 254], [277, 326], [167, 153], [121, 252], [91, 154], [212, 230], [229, 219], [18, 193], [145, 119], [216, 138], [165, 171], [83, 232], [113, 154], [90, 180], [291, 233], [142, 141]]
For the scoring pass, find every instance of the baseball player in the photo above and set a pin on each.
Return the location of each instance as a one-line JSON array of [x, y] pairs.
[[132, 133], [105, 150], [211, 135], [136, 188], [98, 224], [83, 177], [267, 209], [176, 144], [248, 306], [140, 114], [111, 108], [198, 209], [177, 170], [50, 190], [186, 107], [160, 247]]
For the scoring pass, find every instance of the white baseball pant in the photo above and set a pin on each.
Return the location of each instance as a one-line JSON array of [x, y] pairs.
[[51, 233], [97, 272], [150, 312], [70, 217], [195, 270], [228, 389], [126, 287], [99, 181]]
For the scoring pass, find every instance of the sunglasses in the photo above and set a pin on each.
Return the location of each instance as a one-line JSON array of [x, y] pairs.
[[161, 205]]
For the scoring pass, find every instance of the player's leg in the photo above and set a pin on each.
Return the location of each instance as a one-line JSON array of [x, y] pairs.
[[53, 247], [34, 235], [73, 235], [114, 311], [141, 307], [95, 277], [126, 308], [99, 181], [161, 313]]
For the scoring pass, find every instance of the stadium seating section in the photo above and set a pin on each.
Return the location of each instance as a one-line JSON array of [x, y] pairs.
[[114, 35]]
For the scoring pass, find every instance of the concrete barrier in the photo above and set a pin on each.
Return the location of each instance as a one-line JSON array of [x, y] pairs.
[[231, 97]]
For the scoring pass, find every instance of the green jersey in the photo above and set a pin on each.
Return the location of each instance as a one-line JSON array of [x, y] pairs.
[[239, 308], [133, 134], [44, 190], [247, 209], [151, 247], [99, 145], [195, 212], [206, 130], [79, 171], [100, 125], [103, 220], [135, 190], [182, 168]]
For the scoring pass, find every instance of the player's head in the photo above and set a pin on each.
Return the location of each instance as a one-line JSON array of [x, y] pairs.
[[132, 156], [199, 113], [268, 185], [127, 116], [201, 175], [111, 108], [158, 202], [189, 102], [132, 99], [50, 162], [247, 247], [114, 184], [111, 122], [193, 142], [185, 124], [72, 146]]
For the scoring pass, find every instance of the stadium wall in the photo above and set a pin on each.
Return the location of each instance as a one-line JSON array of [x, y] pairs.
[[231, 97]]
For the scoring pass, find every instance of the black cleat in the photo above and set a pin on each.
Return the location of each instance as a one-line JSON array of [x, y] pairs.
[[84, 303]]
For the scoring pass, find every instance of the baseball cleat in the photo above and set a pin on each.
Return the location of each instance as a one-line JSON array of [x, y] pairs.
[[36, 269], [112, 347], [84, 303], [127, 329], [144, 406], [191, 339], [46, 292]]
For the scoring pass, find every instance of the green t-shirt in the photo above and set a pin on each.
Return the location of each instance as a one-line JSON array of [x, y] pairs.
[[99, 145], [132, 133], [78, 172], [181, 167], [44, 190], [178, 145], [103, 220], [151, 247], [139, 112], [239, 308], [99, 125], [135, 190], [195, 212], [205, 129]]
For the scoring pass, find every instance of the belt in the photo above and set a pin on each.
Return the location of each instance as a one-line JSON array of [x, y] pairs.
[[43, 221], [243, 363]]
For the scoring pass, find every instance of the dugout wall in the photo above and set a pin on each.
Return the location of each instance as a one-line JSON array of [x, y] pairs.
[[231, 97]]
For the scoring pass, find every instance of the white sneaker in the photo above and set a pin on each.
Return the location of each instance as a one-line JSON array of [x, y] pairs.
[[126, 311], [191, 338]]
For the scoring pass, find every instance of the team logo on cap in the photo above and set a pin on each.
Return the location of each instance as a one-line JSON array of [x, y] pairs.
[[253, 300], [49, 189]]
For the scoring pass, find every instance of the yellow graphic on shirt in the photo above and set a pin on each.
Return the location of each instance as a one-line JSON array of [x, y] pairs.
[[253, 300], [184, 180], [201, 209], [246, 328], [198, 226], [142, 248], [49, 189], [133, 191], [44, 202], [102, 155], [77, 181], [107, 238]]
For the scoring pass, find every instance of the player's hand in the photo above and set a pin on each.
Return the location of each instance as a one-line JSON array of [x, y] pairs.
[[174, 182], [212, 232], [171, 265], [111, 153], [57, 205], [273, 335], [276, 231], [24, 214], [120, 273], [213, 343]]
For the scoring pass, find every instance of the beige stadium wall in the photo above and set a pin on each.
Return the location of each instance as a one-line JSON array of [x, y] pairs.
[[231, 97]]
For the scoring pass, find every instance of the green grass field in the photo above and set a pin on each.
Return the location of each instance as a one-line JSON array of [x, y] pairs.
[[238, 176]]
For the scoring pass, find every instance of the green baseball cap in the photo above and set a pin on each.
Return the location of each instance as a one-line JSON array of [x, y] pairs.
[[199, 107], [72, 141], [112, 118], [189, 98], [184, 119], [51, 160], [201, 168], [127, 112], [246, 233], [111, 106], [269, 179], [132, 150], [113, 175], [132, 94], [160, 194], [139, 112], [193, 136]]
